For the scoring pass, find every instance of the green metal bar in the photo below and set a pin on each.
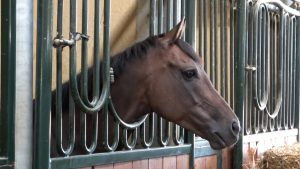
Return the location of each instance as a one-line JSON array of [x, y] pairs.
[[227, 83], [205, 35], [163, 136], [297, 100], [111, 157], [160, 17], [240, 79], [169, 14], [152, 16], [200, 16], [149, 142], [133, 137], [84, 86], [232, 53], [175, 12], [223, 71], [211, 46], [191, 39], [8, 69], [41, 156], [71, 134], [219, 159], [215, 44], [183, 12]]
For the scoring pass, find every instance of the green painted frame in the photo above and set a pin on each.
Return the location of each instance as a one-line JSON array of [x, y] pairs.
[[8, 65]]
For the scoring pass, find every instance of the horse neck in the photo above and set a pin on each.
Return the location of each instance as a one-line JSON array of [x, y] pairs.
[[128, 94]]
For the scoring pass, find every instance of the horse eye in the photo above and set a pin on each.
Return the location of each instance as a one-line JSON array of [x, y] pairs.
[[189, 74]]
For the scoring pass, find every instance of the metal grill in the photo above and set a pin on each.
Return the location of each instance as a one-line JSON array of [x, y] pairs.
[[271, 99], [159, 137], [250, 50], [216, 19]]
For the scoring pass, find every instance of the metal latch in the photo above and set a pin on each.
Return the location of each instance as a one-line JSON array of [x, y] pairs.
[[111, 75], [58, 41], [250, 68]]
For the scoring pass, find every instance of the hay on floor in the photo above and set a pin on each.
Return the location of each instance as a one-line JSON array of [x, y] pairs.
[[285, 157]]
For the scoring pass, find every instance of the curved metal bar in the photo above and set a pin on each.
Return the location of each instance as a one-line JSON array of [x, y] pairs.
[[148, 143], [83, 134], [248, 75], [163, 140], [71, 136], [178, 134], [123, 123], [280, 5], [58, 109], [260, 103], [84, 57], [294, 58], [116, 132], [86, 108], [287, 70], [129, 146]]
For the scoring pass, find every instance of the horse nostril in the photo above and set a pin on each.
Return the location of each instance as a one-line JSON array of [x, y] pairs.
[[235, 128]]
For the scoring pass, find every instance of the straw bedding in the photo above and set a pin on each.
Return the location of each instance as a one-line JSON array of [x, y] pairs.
[[285, 157]]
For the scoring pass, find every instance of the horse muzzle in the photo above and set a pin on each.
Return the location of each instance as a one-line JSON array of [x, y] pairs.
[[225, 137]]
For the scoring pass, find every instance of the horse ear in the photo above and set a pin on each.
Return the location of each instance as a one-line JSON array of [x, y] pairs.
[[175, 33]]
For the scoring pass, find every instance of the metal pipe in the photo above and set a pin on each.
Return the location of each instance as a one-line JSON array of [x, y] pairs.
[[240, 79], [24, 53], [41, 155]]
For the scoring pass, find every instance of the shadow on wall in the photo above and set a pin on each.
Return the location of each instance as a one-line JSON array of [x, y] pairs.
[[128, 19]]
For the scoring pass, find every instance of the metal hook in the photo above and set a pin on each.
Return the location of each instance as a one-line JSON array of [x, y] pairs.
[[58, 41]]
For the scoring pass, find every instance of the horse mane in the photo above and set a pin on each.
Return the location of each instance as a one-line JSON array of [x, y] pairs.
[[138, 50]]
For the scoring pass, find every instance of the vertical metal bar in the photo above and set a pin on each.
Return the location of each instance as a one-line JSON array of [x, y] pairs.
[[223, 71], [200, 16], [147, 143], [240, 79], [160, 17], [152, 16], [285, 39], [227, 83], [8, 78], [191, 39], [232, 52], [183, 12], [71, 133], [84, 86], [176, 12], [169, 14], [297, 100], [96, 70], [205, 35], [294, 61], [106, 63], [43, 85], [215, 43], [211, 46]]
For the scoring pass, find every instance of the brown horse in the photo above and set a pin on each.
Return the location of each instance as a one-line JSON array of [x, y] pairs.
[[163, 74]]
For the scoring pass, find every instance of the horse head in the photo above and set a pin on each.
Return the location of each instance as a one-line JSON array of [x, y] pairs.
[[170, 80]]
